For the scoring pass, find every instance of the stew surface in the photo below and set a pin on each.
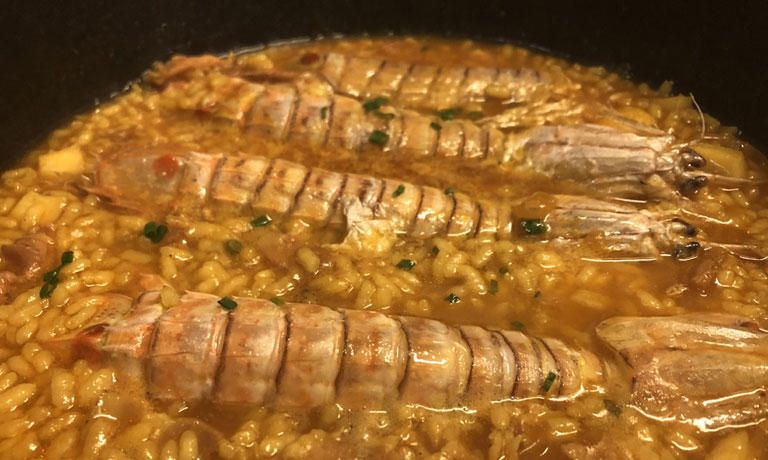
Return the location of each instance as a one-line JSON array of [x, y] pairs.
[[618, 200]]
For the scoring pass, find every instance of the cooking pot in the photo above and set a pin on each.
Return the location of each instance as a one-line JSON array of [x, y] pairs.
[[60, 58]]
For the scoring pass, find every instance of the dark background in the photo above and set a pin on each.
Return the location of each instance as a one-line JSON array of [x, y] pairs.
[[59, 59]]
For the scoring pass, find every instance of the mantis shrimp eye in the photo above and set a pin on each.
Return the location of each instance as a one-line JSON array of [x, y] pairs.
[[686, 251], [692, 159], [685, 228], [693, 185]]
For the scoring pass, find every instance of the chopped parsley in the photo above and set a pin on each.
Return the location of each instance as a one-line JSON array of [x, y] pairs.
[[517, 325], [378, 137], [448, 114], [233, 247], [436, 126], [47, 290], [537, 294], [399, 191], [612, 407], [453, 298], [67, 257], [547, 385], [534, 226], [324, 113], [51, 278], [494, 287], [449, 191], [261, 221], [503, 270], [277, 301], [154, 231], [375, 104], [227, 303], [406, 264], [435, 250]]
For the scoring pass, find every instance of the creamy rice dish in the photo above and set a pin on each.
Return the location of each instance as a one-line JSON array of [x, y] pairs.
[[385, 248]]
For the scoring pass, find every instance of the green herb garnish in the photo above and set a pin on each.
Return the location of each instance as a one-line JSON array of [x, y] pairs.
[[537, 294], [154, 231], [398, 191], [227, 303], [534, 226], [67, 257], [517, 325], [612, 407], [406, 264], [324, 113], [448, 114], [453, 298], [435, 250], [261, 221], [449, 191], [277, 301], [378, 137], [494, 287], [51, 278], [233, 247], [375, 103], [436, 126], [549, 381], [47, 290], [503, 270]]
